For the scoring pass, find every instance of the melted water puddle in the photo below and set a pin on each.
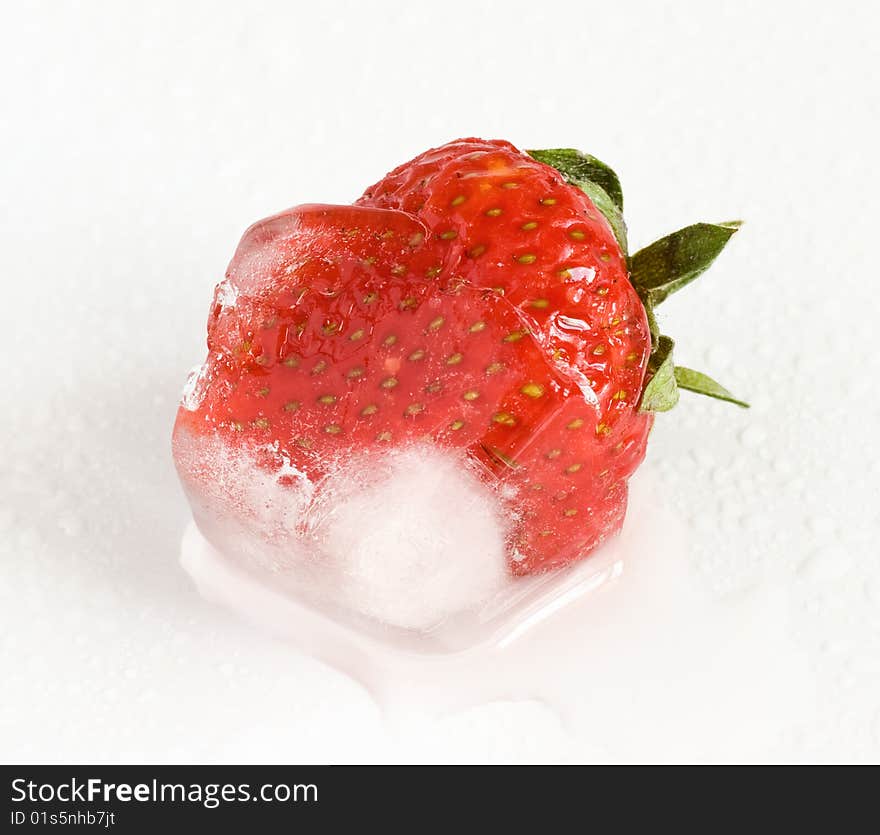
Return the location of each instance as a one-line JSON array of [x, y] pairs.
[[628, 649]]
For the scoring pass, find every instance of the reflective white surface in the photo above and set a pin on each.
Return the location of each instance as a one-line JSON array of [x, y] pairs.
[[140, 141]]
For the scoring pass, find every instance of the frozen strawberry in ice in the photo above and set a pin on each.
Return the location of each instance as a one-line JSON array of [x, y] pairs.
[[476, 315]]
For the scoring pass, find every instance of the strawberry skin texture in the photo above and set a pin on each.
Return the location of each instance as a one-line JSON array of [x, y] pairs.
[[472, 299], [513, 225]]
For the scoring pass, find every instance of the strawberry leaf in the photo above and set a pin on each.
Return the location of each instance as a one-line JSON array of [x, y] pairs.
[[592, 177], [661, 391], [653, 327], [575, 166], [604, 204], [696, 381], [667, 265]]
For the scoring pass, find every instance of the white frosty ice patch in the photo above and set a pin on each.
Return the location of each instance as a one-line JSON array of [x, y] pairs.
[[194, 388], [412, 538], [408, 538], [226, 294], [241, 507]]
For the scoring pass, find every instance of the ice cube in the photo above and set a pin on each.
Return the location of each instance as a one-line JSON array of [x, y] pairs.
[[408, 538], [412, 537]]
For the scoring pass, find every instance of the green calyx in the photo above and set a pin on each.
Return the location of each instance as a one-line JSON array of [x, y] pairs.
[[656, 272]]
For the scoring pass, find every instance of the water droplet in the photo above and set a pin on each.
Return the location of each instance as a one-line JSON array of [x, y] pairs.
[[752, 436], [821, 525], [70, 523], [7, 518], [826, 564]]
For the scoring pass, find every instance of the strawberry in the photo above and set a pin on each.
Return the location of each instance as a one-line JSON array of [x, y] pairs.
[[477, 298]]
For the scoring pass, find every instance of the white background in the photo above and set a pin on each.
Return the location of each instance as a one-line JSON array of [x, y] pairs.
[[140, 139]]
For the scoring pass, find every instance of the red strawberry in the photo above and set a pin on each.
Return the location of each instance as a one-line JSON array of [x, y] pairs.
[[475, 298]]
